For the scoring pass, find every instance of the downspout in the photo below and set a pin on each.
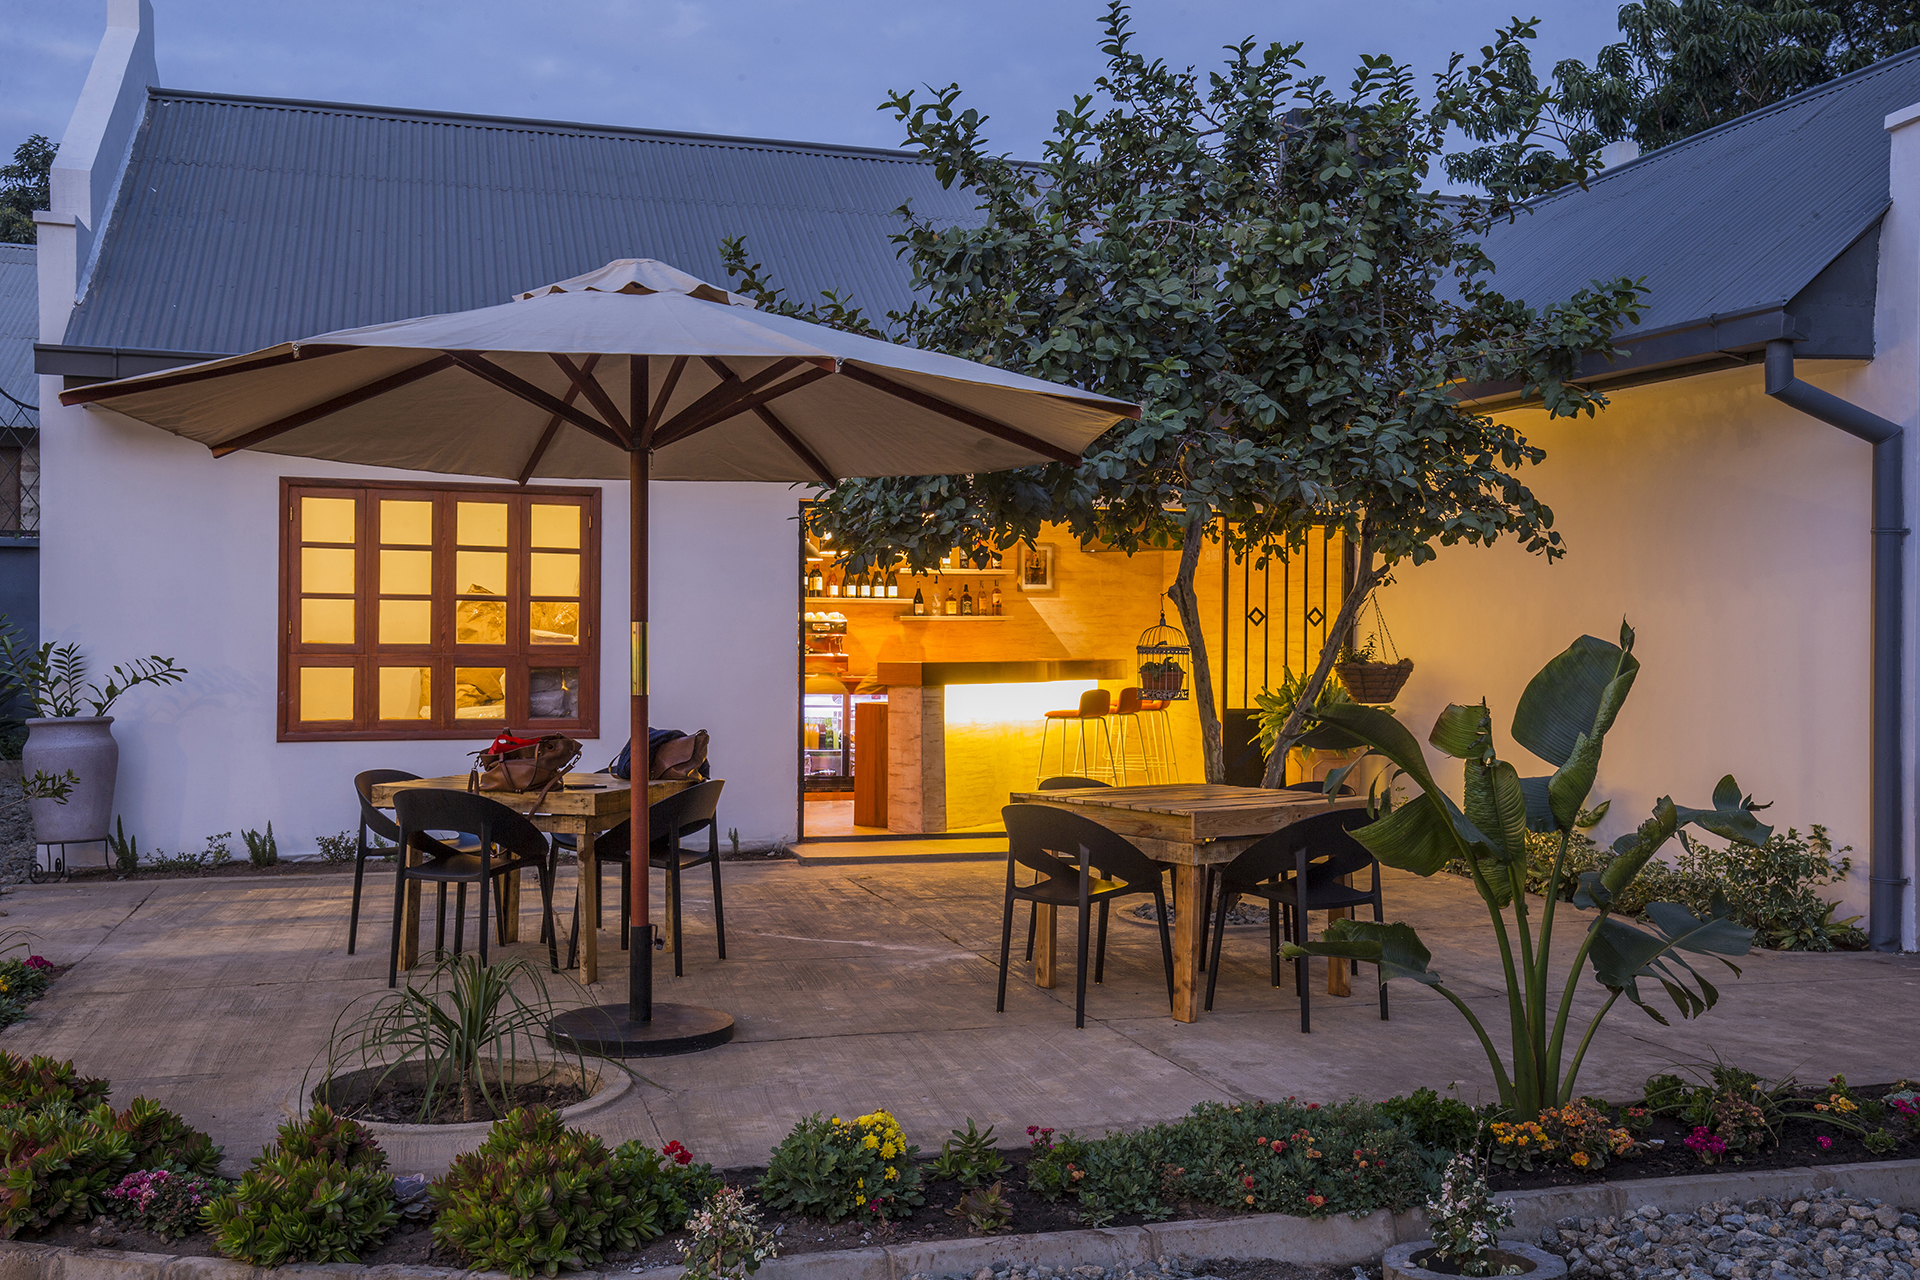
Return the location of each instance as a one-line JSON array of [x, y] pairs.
[[1887, 886]]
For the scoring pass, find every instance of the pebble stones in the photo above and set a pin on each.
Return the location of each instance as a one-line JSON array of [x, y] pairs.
[[1822, 1234], [1165, 1269]]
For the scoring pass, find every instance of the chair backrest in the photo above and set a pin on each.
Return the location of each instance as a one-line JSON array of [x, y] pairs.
[[423, 809], [1128, 703], [1331, 850], [1096, 702], [1068, 783], [1049, 840], [682, 811], [377, 820], [1318, 788]]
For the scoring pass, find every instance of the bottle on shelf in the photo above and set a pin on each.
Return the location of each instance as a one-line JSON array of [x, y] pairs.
[[893, 585], [833, 584], [861, 589], [966, 601], [919, 604], [994, 562], [953, 605], [996, 597], [816, 582]]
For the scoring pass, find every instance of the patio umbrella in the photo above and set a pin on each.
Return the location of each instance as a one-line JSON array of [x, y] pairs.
[[633, 372]]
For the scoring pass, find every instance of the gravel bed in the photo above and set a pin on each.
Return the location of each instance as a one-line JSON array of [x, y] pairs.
[[16, 833], [1819, 1233]]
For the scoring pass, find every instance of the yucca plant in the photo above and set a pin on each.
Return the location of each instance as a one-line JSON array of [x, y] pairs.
[[466, 1031], [1563, 718]]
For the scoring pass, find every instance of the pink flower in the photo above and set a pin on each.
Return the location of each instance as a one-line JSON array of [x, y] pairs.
[[39, 962], [1826, 1143]]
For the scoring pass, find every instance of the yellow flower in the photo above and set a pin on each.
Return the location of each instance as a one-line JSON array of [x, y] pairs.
[[1580, 1159], [892, 1173], [871, 1142], [859, 1199]]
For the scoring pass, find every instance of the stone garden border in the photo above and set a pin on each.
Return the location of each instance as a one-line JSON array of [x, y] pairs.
[[1336, 1241]]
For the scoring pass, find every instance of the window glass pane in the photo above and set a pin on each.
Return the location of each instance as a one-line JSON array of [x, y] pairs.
[[406, 693], [406, 622], [555, 526], [405, 573], [480, 622], [553, 622], [326, 693], [480, 573], [481, 524], [326, 621], [326, 519], [406, 523], [328, 570], [480, 693], [553, 693], [554, 575]]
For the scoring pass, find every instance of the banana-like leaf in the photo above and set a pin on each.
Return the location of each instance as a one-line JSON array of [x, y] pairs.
[[1539, 806], [1567, 789], [1497, 806], [1632, 852], [1591, 895], [1622, 955], [1396, 948], [1715, 935], [1423, 841], [1464, 732], [1731, 817], [1579, 692]]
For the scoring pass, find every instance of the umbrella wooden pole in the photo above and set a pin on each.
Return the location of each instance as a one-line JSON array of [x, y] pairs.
[[640, 758]]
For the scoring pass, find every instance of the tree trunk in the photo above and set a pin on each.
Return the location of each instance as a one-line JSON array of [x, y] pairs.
[[1213, 747], [1365, 579]]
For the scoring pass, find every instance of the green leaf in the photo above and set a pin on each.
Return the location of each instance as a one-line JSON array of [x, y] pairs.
[[1419, 842], [1497, 806], [1463, 732], [1419, 837], [1579, 692], [1731, 817], [1396, 948], [1631, 852]]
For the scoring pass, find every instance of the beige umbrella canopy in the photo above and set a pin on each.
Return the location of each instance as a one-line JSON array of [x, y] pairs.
[[631, 372], [543, 386]]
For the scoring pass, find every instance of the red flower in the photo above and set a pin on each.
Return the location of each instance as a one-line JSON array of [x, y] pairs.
[[677, 1153], [1248, 1180], [1316, 1201]]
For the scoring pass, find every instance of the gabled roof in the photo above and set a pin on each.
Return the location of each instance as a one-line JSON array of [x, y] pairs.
[[243, 222], [1755, 229], [19, 324]]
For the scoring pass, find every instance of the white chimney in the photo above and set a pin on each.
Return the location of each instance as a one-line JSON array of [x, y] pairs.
[[1618, 153]]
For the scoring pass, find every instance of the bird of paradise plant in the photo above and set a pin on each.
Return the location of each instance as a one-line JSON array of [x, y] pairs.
[[1563, 718]]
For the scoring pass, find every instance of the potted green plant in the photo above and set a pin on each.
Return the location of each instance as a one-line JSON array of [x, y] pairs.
[[1161, 678], [1276, 707], [1369, 679], [64, 744]]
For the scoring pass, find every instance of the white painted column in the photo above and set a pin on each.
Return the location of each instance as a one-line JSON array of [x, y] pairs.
[[1897, 364]]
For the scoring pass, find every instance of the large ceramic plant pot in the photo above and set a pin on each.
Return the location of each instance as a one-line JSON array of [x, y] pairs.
[[85, 745]]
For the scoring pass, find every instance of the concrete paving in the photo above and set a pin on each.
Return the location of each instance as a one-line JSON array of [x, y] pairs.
[[864, 986]]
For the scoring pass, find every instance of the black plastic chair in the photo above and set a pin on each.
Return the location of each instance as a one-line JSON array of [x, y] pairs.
[[380, 824], [508, 844], [1064, 782], [1298, 869], [1213, 872], [1037, 837], [669, 822]]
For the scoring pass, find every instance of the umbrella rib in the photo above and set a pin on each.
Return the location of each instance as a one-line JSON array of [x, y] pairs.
[[724, 399], [347, 400], [109, 390], [513, 383], [660, 406], [979, 422], [795, 443], [684, 425], [597, 396], [553, 425]]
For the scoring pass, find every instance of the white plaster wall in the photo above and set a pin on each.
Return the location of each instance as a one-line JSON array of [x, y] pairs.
[[1732, 532], [151, 546]]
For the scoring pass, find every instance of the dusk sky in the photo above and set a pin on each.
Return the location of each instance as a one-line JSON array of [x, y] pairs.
[[763, 68]]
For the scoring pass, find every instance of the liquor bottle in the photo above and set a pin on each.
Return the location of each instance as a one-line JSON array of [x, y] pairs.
[[817, 584], [953, 605], [833, 584], [919, 604], [995, 563], [966, 602], [861, 589], [996, 597], [893, 585]]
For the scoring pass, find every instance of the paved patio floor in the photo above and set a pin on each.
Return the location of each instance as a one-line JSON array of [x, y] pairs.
[[857, 987]]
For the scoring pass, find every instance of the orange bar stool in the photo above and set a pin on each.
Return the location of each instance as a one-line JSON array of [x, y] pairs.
[[1126, 711], [1095, 706]]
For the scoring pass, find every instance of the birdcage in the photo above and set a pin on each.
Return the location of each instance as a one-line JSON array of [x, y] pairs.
[[1165, 659]]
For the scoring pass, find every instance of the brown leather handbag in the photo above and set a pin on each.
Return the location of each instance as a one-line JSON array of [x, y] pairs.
[[523, 764], [680, 757]]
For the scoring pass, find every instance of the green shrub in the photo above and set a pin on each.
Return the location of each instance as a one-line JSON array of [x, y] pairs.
[[1771, 888], [1446, 1124], [836, 1169], [57, 1162], [538, 1196], [262, 850], [321, 1193], [33, 1084], [969, 1158], [21, 983], [1259, 1157]]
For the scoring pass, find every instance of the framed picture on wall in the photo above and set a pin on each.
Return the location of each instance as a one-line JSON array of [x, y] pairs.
[[1036, 568]]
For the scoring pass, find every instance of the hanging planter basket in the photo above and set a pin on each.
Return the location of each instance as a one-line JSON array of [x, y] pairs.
[[1374, 682], [1165, 657]]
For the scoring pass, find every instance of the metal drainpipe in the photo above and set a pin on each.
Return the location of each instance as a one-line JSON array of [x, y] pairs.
[[1887, 884]]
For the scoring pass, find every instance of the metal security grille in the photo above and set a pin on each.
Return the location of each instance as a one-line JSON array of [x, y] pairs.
[[1274, 615], [19, 468]]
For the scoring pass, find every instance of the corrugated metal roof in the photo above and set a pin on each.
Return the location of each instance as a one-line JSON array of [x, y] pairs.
[[1740, 217], [19, 322], [246, 222]]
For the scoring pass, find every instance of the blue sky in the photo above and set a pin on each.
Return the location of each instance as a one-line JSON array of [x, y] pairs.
[[765, 68]]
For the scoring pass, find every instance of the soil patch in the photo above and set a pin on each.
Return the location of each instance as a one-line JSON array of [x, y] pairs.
[[410, 1242], [399, 1102], [237, 867]]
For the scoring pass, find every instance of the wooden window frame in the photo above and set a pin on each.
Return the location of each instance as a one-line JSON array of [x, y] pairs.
[[441, 656]]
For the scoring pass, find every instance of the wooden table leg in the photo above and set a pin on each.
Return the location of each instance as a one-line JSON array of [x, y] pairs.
[[510, 899], [1339, 972], [1046, 945], [587, 895], [410, 918], [1189, 884]]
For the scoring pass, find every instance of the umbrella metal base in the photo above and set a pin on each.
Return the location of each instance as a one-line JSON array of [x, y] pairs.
[[605, 1032]]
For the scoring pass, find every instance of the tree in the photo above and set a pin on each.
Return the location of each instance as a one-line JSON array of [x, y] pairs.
[[1682, 66], [1261, 263], [23, 189]]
